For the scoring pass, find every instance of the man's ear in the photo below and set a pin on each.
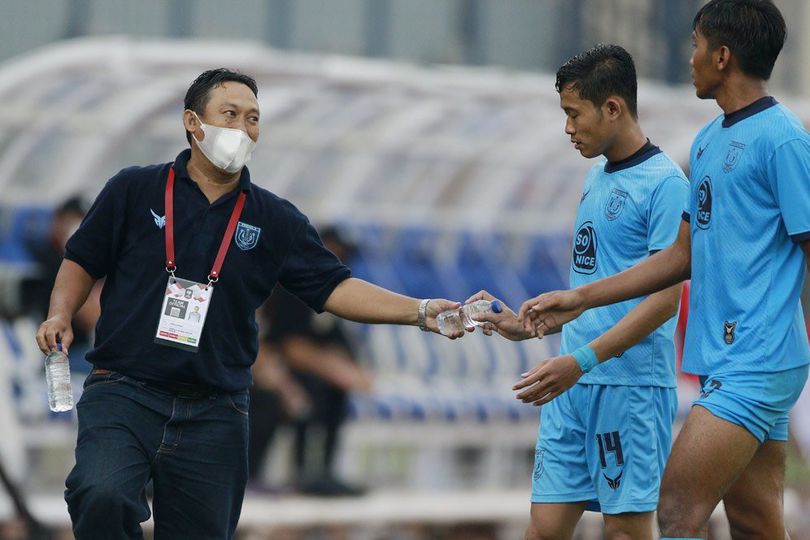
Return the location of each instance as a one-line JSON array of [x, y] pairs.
[[721, 58], [613, 107]]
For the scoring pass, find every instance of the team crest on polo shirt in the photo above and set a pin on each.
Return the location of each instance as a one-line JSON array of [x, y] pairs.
[[735, 150], [246, 236], [615, 204]]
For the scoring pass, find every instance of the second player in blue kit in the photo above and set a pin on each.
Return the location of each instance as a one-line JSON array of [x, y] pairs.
[[605, 428]]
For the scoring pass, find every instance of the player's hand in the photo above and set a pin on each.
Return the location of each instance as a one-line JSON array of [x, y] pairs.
[[436, 306], [56, 329], [504, 323], [548, 379], [548, 312]]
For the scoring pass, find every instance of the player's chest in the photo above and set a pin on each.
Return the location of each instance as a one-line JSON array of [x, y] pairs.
[[726, 179], [613, 208]]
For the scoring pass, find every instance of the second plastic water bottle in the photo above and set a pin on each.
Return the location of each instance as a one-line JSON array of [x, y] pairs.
[[458, 320]]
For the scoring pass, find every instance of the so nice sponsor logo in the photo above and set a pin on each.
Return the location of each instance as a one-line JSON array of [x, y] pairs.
[[585, 244]]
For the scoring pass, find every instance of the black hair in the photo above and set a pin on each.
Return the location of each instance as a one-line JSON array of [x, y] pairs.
[[601, 72], [199, 92], [754, 31], [74, 205]]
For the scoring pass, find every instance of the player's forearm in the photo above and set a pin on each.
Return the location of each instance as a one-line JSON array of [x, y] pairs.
[[361, 301], [70, 290], [640, 322], [656, 273]]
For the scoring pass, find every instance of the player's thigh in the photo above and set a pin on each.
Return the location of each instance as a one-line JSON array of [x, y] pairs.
[[554, 521], [753, 504], [561, 473], [709, 454], [629, 526]]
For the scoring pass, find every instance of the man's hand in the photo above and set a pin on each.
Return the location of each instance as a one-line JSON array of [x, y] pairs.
[[504, 323], [548, 312], [436, 306], [548, 379], [56, 329]]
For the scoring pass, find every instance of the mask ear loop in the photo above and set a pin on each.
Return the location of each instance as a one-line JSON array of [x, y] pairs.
[[199, 122]]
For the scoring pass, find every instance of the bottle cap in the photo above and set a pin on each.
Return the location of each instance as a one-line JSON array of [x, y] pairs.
[[496, 306]]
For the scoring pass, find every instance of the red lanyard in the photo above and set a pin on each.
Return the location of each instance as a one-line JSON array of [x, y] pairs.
[[171, 265]]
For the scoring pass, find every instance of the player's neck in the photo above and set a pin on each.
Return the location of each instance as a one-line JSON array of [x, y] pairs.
[[213, 182], [739, 92], [629, 141]]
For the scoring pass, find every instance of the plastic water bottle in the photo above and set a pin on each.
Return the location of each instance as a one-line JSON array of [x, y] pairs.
[[57, 374], [460, 319]]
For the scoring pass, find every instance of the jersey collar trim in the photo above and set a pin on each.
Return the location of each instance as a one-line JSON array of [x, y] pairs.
[[749, 110], [646, 152]]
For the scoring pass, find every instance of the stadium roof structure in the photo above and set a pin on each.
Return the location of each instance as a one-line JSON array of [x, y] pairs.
[[342, 138]]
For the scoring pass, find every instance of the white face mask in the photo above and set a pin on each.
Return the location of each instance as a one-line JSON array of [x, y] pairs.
[[227, 148]]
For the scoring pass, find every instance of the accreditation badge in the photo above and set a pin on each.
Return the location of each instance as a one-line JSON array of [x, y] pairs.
[[182, 316]]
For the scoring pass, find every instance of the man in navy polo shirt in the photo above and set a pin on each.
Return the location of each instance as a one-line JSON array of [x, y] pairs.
[[167, 399]]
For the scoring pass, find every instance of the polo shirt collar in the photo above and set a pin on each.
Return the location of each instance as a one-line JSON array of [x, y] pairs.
[[181, 171]]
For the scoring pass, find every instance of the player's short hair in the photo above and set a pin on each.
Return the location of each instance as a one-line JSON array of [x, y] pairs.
[[198, 93], [601, 72], [754, 31]]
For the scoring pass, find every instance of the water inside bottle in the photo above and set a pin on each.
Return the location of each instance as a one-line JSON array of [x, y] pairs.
[[450, 322], [57, 375]]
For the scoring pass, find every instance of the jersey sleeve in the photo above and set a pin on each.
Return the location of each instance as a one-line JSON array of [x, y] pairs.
[[97, 240], [789, 175], [310, 271], [665, 212]]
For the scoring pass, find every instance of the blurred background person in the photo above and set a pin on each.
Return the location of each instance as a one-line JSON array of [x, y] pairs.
[[47, 253], [314, 394]]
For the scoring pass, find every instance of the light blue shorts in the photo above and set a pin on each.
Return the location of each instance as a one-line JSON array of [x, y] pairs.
[[759, 402], [606, 445]]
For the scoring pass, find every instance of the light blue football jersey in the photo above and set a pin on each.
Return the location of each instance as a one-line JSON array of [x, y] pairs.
[[749, 209], [628, 211]]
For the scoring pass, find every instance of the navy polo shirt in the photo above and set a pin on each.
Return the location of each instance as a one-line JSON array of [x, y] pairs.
[[122, 238]]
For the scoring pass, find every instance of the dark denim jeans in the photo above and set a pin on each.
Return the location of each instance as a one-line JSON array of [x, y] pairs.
[[192, 445]]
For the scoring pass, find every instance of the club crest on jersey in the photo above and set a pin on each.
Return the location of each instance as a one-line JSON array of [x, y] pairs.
[[728, 331], [615, 204], [735, 150], [704, 203], [538, 463], [584, 257], [246, 236]]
